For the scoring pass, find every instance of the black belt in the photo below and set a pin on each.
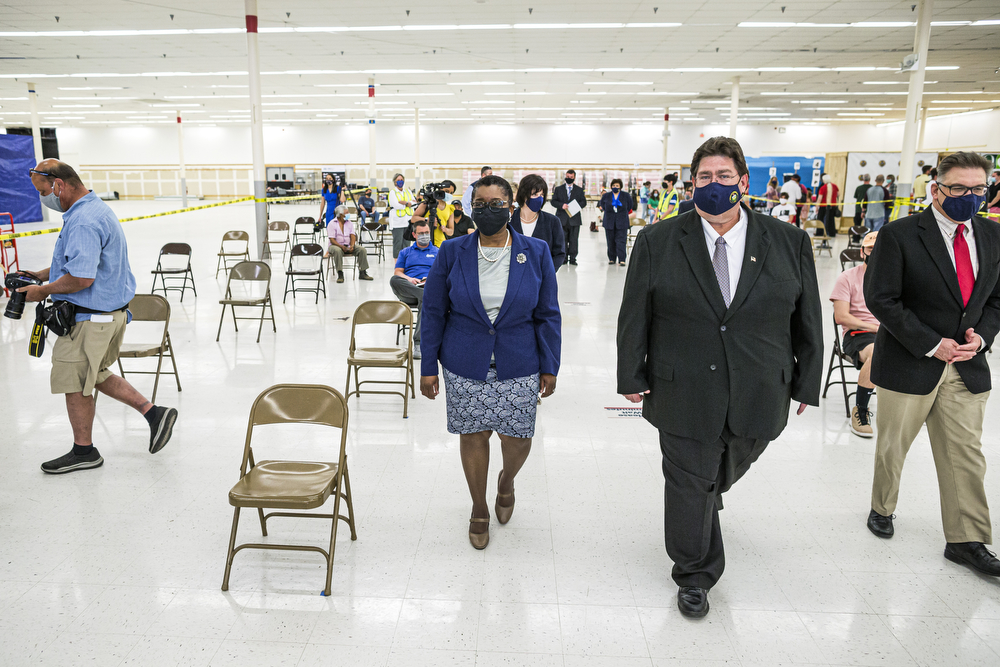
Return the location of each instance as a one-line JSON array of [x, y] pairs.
[[88, 311]]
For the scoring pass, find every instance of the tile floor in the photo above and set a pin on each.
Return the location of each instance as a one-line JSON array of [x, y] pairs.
[[123, 565]]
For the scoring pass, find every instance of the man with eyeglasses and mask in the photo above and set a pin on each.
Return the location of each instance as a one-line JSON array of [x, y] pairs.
[[412, 266], [933, 281], [562, 195], [90, 269], [720, 329]]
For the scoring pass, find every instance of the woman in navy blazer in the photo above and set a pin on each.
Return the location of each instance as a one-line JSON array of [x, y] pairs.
[[616, 206], [491, 315], [529, 218]]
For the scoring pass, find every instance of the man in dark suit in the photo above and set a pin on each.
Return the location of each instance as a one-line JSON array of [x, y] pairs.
[[933, 282], [720, 329], [561, 197]]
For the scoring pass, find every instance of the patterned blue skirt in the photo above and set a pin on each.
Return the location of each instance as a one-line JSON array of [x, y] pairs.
[[505, 406]]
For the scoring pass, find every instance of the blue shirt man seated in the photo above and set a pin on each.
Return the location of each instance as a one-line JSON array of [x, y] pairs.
[[412, 266], [366, 208], [89, 269]]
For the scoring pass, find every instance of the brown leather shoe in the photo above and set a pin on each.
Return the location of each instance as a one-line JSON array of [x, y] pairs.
[[503, 512], [479, 540]]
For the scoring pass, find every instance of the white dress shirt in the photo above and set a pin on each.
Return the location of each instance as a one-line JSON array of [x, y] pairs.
[[948, 231], [736, 245]]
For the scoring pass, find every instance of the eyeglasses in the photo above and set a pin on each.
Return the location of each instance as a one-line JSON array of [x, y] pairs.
[[496, 205], [725, 178], [40, 173], [961, 190]]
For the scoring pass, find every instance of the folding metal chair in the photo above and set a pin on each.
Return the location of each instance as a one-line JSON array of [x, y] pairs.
[[305, 264], [277, 234], [151, 308], [855, 235], [838, 362], [238, 249], [850, 256], [248, 273], [371, 237], [304, 231], [293, 485], [172, 272], [821, 242], [382, 312]]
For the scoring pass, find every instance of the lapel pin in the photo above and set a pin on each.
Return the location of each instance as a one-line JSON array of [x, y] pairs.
[[521, 259], [752, 258]]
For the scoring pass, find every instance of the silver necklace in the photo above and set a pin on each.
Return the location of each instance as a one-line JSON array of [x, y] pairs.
[[499, 255]]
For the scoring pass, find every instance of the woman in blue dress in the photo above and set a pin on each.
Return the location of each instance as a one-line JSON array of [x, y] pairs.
[[333, 196]]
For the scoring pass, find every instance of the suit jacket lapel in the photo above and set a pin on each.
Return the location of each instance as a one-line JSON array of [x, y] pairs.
[[694, 247], [518, 246], [930, 234], [754, 257], [470, 269]]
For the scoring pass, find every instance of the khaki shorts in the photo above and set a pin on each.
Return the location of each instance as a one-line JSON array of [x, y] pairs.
[[81, 358]]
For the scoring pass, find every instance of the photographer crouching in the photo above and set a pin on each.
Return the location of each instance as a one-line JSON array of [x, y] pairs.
[[89, 278]]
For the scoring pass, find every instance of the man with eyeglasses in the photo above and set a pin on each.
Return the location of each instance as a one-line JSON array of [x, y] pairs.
[[720, 329], [933, 281], [90, 270]]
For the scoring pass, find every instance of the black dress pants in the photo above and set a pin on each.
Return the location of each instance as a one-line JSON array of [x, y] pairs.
[[695, 475], [617, 243], [829, 219], [572, 234]]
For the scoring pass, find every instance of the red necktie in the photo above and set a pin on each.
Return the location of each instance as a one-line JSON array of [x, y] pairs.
[[963, 265]]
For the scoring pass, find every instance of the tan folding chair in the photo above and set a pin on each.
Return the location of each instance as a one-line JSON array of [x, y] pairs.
[[635, 226], [382, 312], [235, 246], [294, 485], [151, 308], [172, 271], [820, 241], [277, 234], [248, 272]]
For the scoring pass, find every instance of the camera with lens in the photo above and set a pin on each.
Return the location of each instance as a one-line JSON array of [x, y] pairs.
[[14, 281], [431, 193]]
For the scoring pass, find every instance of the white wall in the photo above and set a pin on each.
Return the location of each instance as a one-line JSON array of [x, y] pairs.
[[529, 144]]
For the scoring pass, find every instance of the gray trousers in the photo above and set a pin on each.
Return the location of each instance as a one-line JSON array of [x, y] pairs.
[[409, 294], [397, 241], [360, 252]]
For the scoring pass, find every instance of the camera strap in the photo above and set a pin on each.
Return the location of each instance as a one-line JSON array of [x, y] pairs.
[[36, 342]]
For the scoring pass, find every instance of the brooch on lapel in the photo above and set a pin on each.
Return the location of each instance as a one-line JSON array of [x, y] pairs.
[[521, 259]]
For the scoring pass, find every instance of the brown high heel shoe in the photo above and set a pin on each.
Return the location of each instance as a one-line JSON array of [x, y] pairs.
[[479, 540], [503, 513]]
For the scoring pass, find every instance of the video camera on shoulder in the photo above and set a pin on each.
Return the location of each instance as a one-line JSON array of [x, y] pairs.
[[13, 282], [432, 193]]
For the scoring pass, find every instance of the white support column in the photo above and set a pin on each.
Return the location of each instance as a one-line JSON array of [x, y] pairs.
[[36, 134], [923, 128], [666, 135], [416, 147], [904, 184], [180, 159], [256, 127], [734, 107], [372, 180]]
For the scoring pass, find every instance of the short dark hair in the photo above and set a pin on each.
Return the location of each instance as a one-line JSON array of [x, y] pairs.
[[796, 178], [484, 170], [499, 181], [672, 177], [446, 183], [571, 171], [933, 174], [724, 147], [526, 188], [618, 181], [963, 160], [65, 173], [421, 223], [925, 168]]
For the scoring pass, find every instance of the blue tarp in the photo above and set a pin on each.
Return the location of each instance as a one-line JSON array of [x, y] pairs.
[[760, 170], [17, 195]]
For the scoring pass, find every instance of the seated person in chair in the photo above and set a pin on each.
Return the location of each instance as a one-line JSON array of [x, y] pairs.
[[366, 208], [412, 266], [344, 241], [784, 211], [859, 326]]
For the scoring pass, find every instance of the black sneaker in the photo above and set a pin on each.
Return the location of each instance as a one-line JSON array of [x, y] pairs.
[[161, 428], [71, 462]]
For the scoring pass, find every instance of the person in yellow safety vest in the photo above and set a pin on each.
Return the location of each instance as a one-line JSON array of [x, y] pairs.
[[670, 199]]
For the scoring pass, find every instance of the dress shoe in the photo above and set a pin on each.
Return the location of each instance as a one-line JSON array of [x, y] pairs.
[[692, 601], [880, 525], [974, 555], [503, 512], [479, 540], [572, 262]]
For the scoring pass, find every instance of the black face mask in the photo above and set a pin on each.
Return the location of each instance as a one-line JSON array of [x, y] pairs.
[[569, 181], [490, 222]]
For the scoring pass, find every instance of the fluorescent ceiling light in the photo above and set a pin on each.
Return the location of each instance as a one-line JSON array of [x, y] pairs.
[[488, 102], [567, 26], [987, 22], [653, 25], [601, 93], [618, 83], [12, 99], [948, 108], [76, 106], [172, 106], [860, 113], [892, 83], [964, 101], [95, 98], [480, 83], [789, 24], [820, 102], [93, 88], [282, 104], [663, 94], [516, 94]]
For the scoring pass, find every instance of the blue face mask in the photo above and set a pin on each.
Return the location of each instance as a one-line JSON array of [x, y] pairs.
[[716, 198], [962, 208], [536, 203], [399, 184]]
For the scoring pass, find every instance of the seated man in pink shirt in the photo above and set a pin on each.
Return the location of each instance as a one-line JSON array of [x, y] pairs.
[[343, 241], [859, 326]]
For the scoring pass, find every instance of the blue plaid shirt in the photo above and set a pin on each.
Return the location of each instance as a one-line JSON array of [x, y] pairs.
[[92, 245]]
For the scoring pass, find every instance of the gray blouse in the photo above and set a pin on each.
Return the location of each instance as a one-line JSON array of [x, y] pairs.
[[493, 278]]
